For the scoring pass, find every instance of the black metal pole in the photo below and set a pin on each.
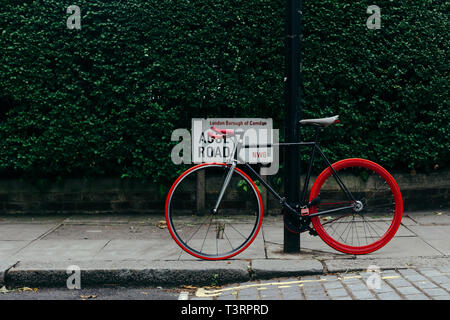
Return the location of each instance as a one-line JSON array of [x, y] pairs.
[[292, 115]]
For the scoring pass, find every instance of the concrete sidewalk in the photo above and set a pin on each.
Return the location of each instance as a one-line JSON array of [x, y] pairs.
[[138, 250]]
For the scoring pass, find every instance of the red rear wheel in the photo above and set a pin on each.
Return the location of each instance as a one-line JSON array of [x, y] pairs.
[[378, 208]]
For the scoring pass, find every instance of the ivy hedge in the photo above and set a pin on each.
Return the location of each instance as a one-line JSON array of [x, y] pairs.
[[103, 100]]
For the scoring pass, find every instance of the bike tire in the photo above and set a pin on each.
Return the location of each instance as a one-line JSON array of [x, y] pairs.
[[231, 230], [378, 189]]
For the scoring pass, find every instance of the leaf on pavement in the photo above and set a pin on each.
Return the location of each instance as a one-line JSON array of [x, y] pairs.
[[188, 287], [4, 290], [162, 224], [91, 296], [26, 289], [211, 287]]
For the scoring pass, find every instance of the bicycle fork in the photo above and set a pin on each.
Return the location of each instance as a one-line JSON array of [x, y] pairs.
[[224, 187], [220, 225], [233, 161]]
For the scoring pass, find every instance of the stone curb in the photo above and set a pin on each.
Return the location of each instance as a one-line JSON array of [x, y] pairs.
[[127, 273], [130, 273], [154, 273], [4, 267]]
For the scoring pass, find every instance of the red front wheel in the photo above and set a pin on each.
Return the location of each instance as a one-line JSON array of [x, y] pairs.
[[377, 206]]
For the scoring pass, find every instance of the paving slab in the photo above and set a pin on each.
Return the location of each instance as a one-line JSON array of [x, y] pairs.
[[405, 247], [54, 250], [312, 247], [273, 236], [273, 232], [152, 249], [255, 251], [32, 219], [333, 285], [317, 244], [389, 296], [407, 221], [416, 297], [95, 231], [446, 297], [337, 292], [399, 246], [404, 231], [23, 231], [435, 217], [434, 292], [362, 294], [436, 236], [96, 219], [248, 293], [9, 248]]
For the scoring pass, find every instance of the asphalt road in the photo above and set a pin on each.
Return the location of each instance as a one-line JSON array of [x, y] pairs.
[[115, 293]]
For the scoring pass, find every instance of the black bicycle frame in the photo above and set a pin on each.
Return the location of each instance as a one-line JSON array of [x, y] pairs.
[[315, 148]]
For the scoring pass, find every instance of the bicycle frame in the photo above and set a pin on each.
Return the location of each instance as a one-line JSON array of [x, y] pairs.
[[234, 159]]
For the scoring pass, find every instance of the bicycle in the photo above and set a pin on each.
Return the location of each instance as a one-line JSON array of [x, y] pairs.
[[214, 211]]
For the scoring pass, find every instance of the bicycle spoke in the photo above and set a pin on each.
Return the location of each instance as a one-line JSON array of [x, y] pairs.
[[335, 231], [376, 225], [335, 203], [238, 231], [368, 225], [337, 219], [197, 230], [349, 224], [365, 232], [228, 239], [207, 230]]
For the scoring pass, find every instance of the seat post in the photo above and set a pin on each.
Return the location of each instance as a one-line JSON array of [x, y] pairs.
[[318, 131]]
